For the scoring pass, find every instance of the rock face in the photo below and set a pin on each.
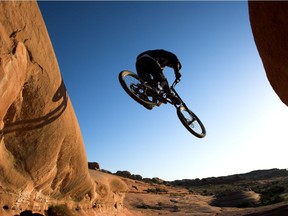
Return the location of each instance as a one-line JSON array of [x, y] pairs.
[[269, 21], [42, 156]]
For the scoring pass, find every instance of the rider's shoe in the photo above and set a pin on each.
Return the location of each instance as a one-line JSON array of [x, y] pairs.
[[173, 98]]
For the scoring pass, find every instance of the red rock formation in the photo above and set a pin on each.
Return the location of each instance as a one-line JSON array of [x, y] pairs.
[[269, 21], [42, 155]]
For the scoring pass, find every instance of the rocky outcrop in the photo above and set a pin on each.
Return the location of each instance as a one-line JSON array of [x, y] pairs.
[[42, 156], [269, 21], [93, 166]]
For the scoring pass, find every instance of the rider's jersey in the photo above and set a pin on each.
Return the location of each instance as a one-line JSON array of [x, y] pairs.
[[163, 57]]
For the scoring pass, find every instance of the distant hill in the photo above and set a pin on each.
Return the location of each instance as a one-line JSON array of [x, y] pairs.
[[253, 175]]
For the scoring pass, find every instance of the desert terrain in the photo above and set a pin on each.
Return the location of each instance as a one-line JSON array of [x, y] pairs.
[[257, 193], [37, 118], [229, 195]]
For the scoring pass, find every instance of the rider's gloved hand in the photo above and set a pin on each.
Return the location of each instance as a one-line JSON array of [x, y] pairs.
[[178, 76], [177, 68]]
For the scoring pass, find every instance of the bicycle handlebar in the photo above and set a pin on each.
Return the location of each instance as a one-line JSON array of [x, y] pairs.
[[176, 81]]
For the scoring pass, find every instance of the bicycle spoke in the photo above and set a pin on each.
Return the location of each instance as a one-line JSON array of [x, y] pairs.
[[132, 85]]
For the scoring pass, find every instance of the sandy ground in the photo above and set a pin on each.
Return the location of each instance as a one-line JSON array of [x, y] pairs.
[[169, 201], [178, 201]]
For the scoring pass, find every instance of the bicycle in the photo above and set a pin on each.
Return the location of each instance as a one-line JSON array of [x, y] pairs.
[[149, 95]]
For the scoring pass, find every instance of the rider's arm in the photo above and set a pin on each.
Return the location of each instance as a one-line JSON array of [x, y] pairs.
[[174, 63], [177, 71]]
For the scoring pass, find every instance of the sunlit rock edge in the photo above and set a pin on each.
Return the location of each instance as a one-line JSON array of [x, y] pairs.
[[42, 156]]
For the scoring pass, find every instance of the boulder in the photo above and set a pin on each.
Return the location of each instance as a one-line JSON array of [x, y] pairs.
[[125, 174], [93, 165]]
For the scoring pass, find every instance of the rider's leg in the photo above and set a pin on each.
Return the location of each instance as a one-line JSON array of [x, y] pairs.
[[165, 86], [147, 68], [159, 77], [144, 66]]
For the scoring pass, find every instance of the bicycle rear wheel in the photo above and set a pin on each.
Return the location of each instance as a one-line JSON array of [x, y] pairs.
[[131, 83], [191, 122]]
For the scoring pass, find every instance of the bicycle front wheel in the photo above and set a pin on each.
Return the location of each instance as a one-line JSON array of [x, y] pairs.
[[191, 122], [131, 83]]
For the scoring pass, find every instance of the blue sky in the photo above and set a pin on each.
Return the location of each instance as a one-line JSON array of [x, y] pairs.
[[223, 82]]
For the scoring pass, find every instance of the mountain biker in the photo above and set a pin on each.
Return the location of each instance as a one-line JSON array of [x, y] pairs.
[[150, 65]]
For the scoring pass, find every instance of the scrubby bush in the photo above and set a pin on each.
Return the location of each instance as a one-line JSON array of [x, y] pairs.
[[59, 210], [156, 190], [271, 194]]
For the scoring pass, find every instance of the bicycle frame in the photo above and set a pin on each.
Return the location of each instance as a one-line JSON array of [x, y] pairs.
[[178, 96], [150, 95], [162, 99], [172, 87], [182, 102]]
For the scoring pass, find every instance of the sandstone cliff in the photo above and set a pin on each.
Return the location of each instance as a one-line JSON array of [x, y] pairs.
[[42, 156], [269, 22]]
